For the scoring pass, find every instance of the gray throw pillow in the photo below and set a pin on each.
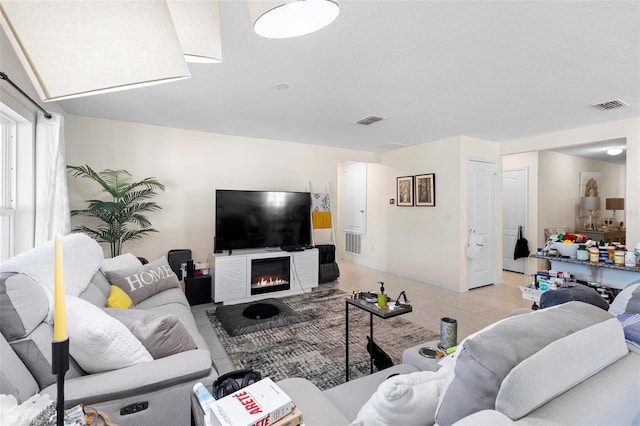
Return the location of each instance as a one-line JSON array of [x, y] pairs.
[[580, 294], [162, 334], [144, 282]]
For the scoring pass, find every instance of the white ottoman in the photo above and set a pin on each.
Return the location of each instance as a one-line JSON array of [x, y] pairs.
[[412, 356]]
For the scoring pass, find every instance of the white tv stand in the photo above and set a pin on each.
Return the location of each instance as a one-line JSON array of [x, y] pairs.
[[232, 274]]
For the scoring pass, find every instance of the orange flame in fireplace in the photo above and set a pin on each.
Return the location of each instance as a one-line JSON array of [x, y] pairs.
[[269, 281]]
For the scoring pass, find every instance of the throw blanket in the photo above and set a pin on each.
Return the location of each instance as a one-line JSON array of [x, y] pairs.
[[631, 326], [82, 258]]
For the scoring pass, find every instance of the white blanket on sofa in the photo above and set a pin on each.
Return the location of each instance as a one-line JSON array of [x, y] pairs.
[[81, 255]]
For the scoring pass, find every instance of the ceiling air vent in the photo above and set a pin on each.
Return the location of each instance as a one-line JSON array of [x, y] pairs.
[[369, 120], [616, 103], [388, 146]]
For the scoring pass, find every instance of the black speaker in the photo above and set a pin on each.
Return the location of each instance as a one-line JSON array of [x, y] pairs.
[[190, 268], [177, 257], [198, 289]]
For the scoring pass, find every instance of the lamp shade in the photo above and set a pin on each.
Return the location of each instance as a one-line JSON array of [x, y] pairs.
[[614, 203], [291, 18], [79, 48], [197, 23], [590, 203]]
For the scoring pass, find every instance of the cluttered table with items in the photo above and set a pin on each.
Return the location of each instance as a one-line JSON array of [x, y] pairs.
[[611, 264]]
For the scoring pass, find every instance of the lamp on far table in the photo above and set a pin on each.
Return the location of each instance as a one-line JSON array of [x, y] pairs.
[[615, 204], [590, 204]]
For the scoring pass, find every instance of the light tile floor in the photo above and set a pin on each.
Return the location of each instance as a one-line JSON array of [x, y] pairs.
[[473, 310]]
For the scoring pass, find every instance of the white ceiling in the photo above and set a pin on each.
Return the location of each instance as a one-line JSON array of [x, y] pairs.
[[494, 70], [598, 151]]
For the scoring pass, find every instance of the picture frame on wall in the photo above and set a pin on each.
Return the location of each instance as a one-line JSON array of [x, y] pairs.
[[405, 191], [426, 190], [589, 184]]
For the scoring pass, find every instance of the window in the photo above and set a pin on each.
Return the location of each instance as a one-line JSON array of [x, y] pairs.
[[7, 186]]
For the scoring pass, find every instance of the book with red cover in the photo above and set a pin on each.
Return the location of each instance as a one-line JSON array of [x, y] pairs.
[[260, 404]]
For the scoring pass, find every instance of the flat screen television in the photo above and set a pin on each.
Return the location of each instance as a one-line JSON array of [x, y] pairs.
[[261, 219]]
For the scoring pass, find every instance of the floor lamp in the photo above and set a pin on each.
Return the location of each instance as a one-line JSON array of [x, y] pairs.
[[615, 204], [591, 204]]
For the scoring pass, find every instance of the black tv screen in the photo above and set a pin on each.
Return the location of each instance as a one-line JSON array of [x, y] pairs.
[[259, 219]]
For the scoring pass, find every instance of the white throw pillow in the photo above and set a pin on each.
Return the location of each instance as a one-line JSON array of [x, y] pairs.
[[123, 262], [99, 342], [405, 399]]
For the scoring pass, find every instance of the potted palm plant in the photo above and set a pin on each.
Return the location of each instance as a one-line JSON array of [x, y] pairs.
[[121, 217]]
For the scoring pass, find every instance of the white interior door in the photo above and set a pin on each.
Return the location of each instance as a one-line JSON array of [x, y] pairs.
[[354, 202], [481, 192], [514, 214]]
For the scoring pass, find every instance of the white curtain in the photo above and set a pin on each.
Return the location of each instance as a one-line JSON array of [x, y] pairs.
[[52, 196]]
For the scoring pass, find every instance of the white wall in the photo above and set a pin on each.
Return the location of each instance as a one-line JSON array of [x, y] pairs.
[[423, 243], [628, 129], [192, 165], [559, 186]]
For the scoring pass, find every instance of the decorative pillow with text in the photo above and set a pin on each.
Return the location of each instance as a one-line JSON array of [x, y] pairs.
[[145, 281]]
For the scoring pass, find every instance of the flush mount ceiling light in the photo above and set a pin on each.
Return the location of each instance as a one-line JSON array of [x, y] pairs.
[[614, 151], [74, 48], [291, 18], [197, 23]]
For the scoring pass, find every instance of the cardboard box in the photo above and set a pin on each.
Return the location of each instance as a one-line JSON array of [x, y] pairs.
[[260, 404]]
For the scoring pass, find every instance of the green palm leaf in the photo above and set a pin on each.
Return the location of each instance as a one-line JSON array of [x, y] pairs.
[[121, 217]]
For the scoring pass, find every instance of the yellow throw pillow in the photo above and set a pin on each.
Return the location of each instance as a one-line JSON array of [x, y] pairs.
[[118, 298]]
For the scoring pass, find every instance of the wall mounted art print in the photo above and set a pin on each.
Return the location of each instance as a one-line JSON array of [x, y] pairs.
[[405, 191], [426, 190], [589, 182]]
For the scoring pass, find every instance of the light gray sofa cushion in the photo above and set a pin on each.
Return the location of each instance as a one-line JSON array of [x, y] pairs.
[[35, 352], [485, 359], [94, 295], [316, 408], [15, 379], [101, 281], [23, 305]]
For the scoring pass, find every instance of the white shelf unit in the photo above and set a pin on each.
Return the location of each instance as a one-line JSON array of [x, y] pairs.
[[232, 274]]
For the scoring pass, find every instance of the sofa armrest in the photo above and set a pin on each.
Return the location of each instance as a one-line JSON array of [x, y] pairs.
[[137, 379], [315, 406], [485, 418]]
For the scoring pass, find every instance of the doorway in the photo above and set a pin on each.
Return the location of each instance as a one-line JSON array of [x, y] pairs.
[[481, 217], [514, 215]]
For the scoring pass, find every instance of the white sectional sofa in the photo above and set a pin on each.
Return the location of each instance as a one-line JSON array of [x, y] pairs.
[[161, 383], [564, 365]]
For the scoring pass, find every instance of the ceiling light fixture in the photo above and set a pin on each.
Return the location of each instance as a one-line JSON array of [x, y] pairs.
[[291, 18], [72, 49], [198, 26], [614, 151]]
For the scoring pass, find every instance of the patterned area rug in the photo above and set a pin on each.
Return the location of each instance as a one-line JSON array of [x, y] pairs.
[[314, 348]]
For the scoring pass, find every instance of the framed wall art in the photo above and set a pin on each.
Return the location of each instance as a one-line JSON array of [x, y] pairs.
[[426, 190], [589, 184], [405, 191]]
